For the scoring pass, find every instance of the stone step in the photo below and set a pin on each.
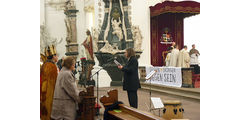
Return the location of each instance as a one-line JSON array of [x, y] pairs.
[[189, 93]]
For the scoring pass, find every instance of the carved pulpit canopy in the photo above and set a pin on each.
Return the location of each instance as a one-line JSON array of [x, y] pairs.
[[188, 8]]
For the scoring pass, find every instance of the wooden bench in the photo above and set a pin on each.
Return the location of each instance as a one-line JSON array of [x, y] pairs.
[[126, 112]]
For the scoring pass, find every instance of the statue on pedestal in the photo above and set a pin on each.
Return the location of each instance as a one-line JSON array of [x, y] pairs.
[[69, 31], [95, 39], [88, 46], [70, 21], [137, 37]]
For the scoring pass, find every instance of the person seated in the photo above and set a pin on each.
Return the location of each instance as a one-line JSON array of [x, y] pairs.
[[66, 94]]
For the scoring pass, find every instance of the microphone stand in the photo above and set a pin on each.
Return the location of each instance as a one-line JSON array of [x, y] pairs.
[[97, 73]]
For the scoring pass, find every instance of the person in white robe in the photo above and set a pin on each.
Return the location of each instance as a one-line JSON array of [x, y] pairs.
[[173, 44], [174, 57], [184, 58], [167, 59]]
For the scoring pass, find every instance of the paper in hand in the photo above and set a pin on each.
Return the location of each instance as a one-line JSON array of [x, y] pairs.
[[117, 63]]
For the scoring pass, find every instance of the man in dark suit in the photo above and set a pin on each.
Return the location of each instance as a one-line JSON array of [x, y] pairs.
[[59, 63], [131, 80]]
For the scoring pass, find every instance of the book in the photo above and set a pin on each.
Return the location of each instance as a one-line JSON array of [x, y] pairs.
[[117, 111], [117, 63]]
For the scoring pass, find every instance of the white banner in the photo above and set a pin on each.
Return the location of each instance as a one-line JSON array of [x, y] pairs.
[[169, 76]]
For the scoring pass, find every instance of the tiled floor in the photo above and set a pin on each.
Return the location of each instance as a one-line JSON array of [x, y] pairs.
[[191, 107]]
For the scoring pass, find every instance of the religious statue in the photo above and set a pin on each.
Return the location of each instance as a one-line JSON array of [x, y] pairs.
[[69, 30], [115, 14], [107, 48], [166, 36], [95, 39], [88, 46], [46, 39], [137, 37], [116, 28], [69, 4]]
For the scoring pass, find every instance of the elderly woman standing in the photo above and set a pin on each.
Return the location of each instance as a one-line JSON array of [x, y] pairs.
[[66, 94], [131, 80]]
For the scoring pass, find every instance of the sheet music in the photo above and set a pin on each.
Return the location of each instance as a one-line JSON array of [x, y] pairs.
[[150, 74], [157, 102], [117, 63]]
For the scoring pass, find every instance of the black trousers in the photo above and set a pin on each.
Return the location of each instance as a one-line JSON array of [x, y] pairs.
[[196, 69], [133, 98]]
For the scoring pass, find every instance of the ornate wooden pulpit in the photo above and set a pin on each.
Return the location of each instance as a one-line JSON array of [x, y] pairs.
[[87, 107], [166, 26]]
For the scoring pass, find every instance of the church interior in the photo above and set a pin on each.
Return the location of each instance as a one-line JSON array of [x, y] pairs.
[[98, 33]]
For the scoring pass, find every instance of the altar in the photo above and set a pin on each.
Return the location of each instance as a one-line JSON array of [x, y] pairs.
[[167, 26], [168, 76], [176, 77]]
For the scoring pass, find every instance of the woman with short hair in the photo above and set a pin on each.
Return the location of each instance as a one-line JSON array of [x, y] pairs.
[[66, 94], [131, 80]]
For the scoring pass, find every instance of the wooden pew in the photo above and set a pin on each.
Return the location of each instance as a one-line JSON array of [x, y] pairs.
[[127, 113]]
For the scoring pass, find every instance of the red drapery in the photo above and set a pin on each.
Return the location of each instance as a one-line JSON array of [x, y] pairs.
[[169, 14]]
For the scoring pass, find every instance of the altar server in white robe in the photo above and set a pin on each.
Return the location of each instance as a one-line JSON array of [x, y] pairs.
[[184, 58], [174, 56], [167, 59]]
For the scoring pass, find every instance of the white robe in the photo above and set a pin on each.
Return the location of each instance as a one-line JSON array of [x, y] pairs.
[[174, 57], [183, 59], [167, 59]]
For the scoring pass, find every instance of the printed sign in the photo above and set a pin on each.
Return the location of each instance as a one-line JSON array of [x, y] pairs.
[[169, 76]]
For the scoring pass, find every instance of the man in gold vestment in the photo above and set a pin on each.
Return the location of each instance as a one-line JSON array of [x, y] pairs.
[[48, 76]]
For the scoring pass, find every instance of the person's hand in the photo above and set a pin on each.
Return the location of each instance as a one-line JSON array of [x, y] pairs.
[[120, 67]]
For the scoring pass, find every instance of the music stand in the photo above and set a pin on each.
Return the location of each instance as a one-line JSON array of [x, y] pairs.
[[157, 104], [149, 77]]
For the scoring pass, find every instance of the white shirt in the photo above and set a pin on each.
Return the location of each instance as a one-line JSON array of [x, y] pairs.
[[194, 59]]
